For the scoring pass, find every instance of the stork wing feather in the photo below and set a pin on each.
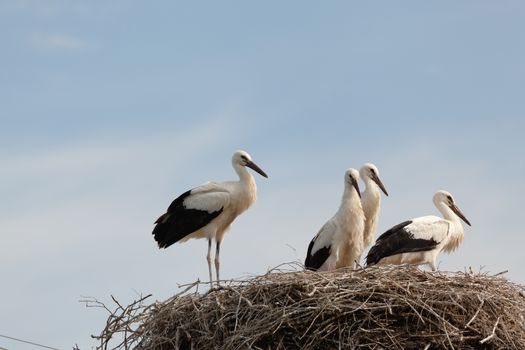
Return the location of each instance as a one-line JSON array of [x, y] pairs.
[[393, 230], [415, 235], [210, 186], [209, 196], [320, 247], [429, 227], [190, 212], [210, 201]]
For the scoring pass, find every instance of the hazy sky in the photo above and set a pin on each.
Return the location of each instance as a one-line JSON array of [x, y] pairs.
[[111, 109]]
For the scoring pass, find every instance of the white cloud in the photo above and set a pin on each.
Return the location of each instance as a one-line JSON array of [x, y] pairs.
[[57, 41]]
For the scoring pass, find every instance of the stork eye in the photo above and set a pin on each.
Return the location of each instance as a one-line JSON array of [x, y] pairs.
[[449, 198], [244, 158]]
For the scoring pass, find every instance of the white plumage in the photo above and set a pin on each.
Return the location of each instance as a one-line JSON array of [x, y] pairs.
[[207, 211], [209, 197], [420, 240], [323, 244], [371, 201], [340, 241]]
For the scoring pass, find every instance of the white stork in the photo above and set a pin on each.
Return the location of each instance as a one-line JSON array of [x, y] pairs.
[[419, 241], [207, 211], [371, 200], [340, 240]]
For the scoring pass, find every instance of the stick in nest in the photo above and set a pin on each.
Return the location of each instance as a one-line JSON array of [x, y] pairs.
[[298, 309]]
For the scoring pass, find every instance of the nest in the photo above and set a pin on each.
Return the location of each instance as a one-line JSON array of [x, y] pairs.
[[379, 307]]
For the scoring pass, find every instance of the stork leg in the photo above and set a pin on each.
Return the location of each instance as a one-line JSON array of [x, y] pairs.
[[217, 260], [208, 258]]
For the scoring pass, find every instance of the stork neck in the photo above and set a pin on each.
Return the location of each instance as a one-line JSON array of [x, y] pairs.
[[371, 188], [244, 174], [350, 196], [455, 228], [448, 214]]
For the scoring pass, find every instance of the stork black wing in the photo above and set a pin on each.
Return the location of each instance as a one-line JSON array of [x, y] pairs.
[[179, 221], [393, 230], [398, 240], [315, 261]]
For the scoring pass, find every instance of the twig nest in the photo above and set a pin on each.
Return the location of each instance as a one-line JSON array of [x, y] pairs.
[[379, 307]]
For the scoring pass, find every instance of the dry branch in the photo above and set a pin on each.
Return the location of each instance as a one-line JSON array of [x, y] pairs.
[[376, 308]]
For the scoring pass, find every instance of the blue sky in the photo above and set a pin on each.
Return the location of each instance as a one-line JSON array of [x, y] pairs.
[[110, 109]]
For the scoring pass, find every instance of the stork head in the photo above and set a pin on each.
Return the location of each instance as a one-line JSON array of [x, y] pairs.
[[444, 197], [351, 179], [369, 171], [242, 158]]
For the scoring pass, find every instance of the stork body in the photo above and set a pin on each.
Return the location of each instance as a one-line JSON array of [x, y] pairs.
[[207, 211], [340, 241], [420, 240], [371, 201]]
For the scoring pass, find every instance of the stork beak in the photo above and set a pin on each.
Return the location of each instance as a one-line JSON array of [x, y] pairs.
[[255, 167], [376, 179], [458, 212], [356, 186]]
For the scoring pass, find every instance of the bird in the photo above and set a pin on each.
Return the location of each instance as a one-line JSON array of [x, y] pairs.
[[371, 201], [339, 241], [207, 211], [420, 240]]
